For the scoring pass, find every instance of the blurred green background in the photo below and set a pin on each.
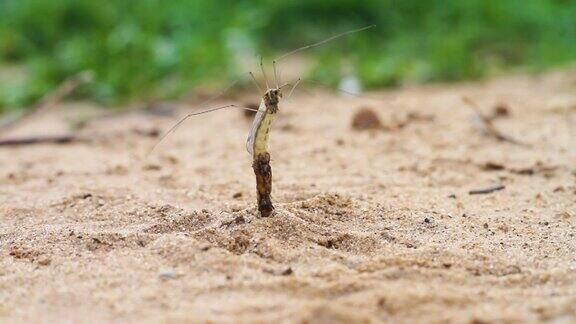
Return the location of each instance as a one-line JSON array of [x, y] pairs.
[[154, 49]]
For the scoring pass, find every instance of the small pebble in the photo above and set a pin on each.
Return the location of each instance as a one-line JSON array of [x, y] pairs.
[[366, 119], [167, 274], [44, 261]]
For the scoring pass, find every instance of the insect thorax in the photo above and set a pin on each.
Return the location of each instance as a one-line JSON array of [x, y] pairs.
[[271, 99]]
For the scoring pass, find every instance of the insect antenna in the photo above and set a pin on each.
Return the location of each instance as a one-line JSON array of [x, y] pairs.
[[322, 42], [183, 119]]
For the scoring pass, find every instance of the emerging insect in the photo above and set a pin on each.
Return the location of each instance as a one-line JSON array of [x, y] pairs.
[[257, 146], [257, 142]]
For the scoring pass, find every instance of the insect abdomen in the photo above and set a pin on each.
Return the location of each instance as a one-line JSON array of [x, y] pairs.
[[257, 142]]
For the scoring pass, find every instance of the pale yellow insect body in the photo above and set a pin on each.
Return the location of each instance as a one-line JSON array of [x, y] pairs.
[[257, 142]]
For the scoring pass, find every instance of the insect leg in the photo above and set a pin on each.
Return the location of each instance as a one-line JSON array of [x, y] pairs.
[[276, 77], [264, 73], [256, 82], [173, 128], [294, 87]]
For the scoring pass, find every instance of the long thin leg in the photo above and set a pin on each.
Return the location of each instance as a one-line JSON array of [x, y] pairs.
[[294, 87], [218, 94], [256, 82], [264, 73], [276, 77], [322, 42], [173, 128], [353, 94]]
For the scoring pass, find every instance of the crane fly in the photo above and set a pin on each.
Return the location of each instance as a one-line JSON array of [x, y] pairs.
[[257, 142]]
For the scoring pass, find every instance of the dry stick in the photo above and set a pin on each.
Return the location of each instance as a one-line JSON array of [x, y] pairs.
[[47, 102], [486, 190], [487, 125], [51, 99], [58, 139]]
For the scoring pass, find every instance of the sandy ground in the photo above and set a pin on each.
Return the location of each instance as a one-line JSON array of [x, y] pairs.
[[370, 225]]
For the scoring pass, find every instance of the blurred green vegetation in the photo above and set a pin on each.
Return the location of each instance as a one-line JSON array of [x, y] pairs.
[[154, 49]]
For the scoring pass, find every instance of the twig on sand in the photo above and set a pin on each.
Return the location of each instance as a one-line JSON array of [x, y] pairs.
[[486, 190], [487, 126], [57, 139], [50, 100]]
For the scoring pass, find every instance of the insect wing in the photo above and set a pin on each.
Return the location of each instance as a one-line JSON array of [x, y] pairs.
[[255, 125]]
